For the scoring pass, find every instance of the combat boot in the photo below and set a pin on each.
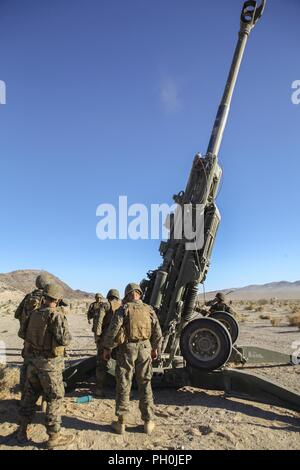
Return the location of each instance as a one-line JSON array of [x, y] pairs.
[[119, 426], [58, 440], [149, 426], [22, 436]]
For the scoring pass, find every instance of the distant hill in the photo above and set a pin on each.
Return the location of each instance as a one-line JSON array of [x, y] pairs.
[[23, 281], [17, 283], [280, 290]]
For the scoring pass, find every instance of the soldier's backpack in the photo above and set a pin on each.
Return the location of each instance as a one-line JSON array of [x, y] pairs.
[[138, 323], [32, 302], [112, 307], [38, 335]]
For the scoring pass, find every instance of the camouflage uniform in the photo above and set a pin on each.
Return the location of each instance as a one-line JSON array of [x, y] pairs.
[[93, 311], [101, 324], [47, 335], [217, 306], [142, 334], [31, 302]]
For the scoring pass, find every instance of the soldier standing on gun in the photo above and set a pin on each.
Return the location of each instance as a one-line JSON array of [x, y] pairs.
[[136, 330], [101, 324], [218, 304], [30, 303], [47, 334]]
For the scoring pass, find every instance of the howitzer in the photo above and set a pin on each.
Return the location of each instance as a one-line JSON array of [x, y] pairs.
[[196, 350], [172, 289]]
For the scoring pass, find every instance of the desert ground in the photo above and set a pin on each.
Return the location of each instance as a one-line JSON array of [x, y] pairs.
[[187, 418]]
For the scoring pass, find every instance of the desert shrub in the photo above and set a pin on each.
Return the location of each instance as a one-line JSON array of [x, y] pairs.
[[259, 309], [275, 321], [265, 317], [262, 302], [9, 379], [294, 320], [250, 306]]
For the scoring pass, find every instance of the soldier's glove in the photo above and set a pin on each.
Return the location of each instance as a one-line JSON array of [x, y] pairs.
[[154, 354], [89, 322], [106, 354]]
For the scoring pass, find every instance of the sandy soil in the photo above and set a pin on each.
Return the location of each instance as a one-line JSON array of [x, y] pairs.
[[187, 419]]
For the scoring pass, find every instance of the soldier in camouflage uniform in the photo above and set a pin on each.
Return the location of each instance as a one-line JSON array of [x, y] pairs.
[[47, 334], [218, 304], [102, 321], [135, 329], [31, 302], [93, 310]]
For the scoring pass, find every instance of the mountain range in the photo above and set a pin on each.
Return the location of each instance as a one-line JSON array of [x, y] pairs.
[[18, 283]]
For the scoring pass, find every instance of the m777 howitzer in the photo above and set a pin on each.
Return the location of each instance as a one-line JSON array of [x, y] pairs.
[[172, 289], [196, 351]]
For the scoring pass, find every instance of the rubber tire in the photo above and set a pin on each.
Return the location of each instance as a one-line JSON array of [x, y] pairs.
[[223, 336], [234, 326]]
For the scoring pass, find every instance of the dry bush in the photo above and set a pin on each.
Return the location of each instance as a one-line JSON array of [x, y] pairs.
[[294, 320], [242, 320], [259, 309], [262, 302], [9, 379], [250, 306], [265, 317], [275, 321]]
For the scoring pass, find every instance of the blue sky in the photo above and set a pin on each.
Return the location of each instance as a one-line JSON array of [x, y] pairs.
[[115, 98]]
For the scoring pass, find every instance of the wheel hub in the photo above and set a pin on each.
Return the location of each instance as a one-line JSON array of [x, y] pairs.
[[204, 344]]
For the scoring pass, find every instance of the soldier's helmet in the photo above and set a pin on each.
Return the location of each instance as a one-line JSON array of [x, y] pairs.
[[132, 287], [98, 296], [113, 293], [53, 291], [42, 280], [220, 296]]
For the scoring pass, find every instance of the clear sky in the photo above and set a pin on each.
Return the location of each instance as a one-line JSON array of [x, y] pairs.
[[109, 98]]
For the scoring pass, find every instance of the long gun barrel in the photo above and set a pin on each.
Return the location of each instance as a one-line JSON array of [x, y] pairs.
[[250, 15], [172, 288]]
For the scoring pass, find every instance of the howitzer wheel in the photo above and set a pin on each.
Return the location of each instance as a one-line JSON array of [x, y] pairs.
[[229, 322], [205, 344]]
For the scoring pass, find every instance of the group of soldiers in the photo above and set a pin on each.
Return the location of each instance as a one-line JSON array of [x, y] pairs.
[[129, 327]]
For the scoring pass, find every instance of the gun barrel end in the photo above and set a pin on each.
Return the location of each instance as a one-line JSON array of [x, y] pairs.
[[252, 12]]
